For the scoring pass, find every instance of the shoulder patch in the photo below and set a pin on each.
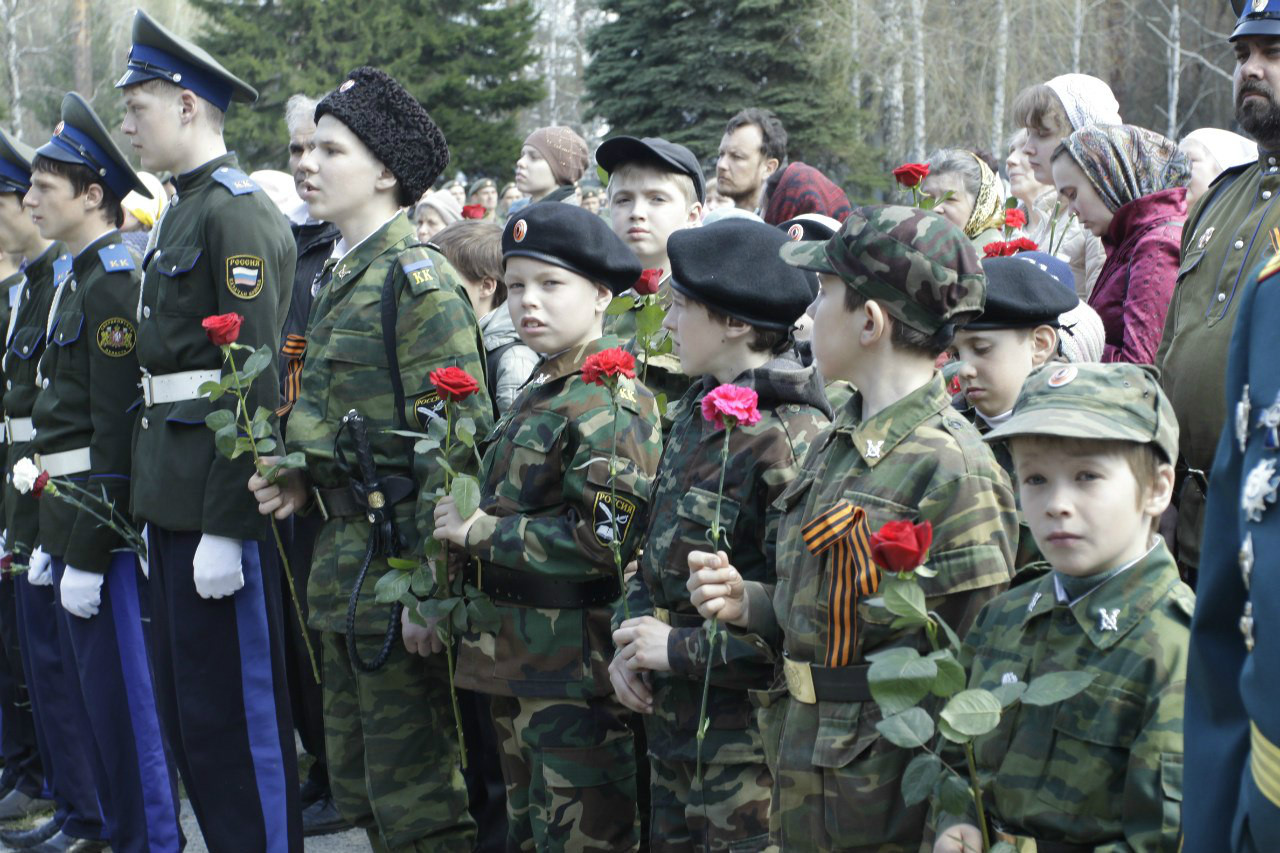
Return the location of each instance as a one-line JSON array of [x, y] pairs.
[[420, 268], [116, 258], [62, 266], [1270, 268], [244, 275], [116, 337], [235, 180], [427, 407], [610, 512]]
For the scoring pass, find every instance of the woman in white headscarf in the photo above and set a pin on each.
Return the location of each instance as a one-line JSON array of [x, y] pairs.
[[1211, 151]]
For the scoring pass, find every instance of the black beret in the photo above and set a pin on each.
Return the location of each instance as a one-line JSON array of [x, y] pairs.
[[81, 138], [667, 156], [158, 54], [733, 267], [391, 122], [568, 236], [1024, 290]]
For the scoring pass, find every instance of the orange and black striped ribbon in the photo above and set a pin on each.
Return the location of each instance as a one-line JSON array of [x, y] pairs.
[[842, 534], [294, 348]]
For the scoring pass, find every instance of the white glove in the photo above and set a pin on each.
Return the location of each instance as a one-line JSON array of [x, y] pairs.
[[80, 592], [39, 572], [4, 541], [142, 559], [217, 567]]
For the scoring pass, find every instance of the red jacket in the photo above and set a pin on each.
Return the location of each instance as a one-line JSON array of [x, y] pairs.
[[1136, 283]]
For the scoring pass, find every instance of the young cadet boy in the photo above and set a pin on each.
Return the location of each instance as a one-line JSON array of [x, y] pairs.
[[221, 247], [542, 535], [896, 281], [734, 306], [84, 432], [393, 762], [1093, 446], [1016, 335]]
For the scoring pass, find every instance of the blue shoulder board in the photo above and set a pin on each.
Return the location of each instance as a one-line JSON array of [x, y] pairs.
[[116, 258], [410, 264], [61, 268], [235, 180]]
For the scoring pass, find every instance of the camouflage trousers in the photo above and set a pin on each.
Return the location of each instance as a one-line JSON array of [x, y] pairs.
[[392, 753], [837, 784], [734, 819], [570, 770]]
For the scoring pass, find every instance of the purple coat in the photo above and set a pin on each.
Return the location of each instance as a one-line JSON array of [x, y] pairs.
[[1136, 283]]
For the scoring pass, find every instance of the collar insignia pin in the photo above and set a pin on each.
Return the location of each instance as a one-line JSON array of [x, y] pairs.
[[1107, 619], [873, 448], [1205, 237], [1243, 409], [1035, 599]]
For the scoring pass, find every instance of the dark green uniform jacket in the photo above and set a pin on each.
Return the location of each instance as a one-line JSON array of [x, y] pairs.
[[222, 247]]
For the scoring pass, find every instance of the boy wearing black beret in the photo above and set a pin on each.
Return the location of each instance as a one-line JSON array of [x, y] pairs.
[[549, 513], [734, 305], [393, 762]]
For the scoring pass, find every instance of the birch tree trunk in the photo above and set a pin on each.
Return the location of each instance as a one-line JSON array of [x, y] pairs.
[[1002, 71], [12, 56], [1173, 74], [855, 51], [893, 94], [918, 142], [1077, 35]]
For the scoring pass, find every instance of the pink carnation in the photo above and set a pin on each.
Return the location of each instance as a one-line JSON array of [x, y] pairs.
[[732, 405]]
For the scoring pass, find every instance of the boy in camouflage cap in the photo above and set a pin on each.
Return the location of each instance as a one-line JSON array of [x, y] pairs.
[[895, 282], [1093, 446]]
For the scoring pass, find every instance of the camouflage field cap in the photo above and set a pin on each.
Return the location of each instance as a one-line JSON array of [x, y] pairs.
[[916, 264], [1103, 401]]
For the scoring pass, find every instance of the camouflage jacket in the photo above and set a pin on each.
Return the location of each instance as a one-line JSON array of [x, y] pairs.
[[916, 460], [89, 372], [346, 367], [763, 460], [26, 340], [1103, 768], [1028, 554], [221, 246], [545, 492]]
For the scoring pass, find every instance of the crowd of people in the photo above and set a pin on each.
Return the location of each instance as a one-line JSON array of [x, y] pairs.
[[682, 510]]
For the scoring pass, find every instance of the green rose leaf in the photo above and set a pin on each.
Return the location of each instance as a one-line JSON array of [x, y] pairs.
[[225, 440], [422, 582], [465, 492], [432, 549], [951, 675], [426, 445], [620, 305], [649, 320], [297, 459], [465, 430], [437, 429], [899, 683], [1009, 693], [483, 615], [219, 418], [952, 638], [243, 445], [920, 777], [909, 729], [905, 598], [265, 445], [458, 615], [261, 429], [402, 563], [391, 586], [954, 795], [212, 390], [972, 712], [1056, 686], [255, 364], [944, 729]]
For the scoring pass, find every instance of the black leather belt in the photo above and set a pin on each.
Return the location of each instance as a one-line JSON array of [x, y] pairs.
[[810, 683], [1013, 836], [347, 502], [511, 587], [678, 620]]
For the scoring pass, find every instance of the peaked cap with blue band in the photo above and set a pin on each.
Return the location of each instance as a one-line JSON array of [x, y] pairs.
[[15, 165], [81, 138], [1256, 18], [158, 54]]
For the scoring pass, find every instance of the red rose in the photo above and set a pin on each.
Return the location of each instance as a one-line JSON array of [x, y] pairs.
[[604, 368], [647, 285], [733, 404], [1015, 218], [37, 488], [900, 546], [453, 383], [222, 329], [911, 174], [473, 211]]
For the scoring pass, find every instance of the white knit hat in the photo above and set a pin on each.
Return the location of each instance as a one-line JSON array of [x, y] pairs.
[[1082, 335]]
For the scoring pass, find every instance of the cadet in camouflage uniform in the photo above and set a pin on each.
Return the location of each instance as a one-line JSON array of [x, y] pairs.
[[542, 536], [1016, 334], [393, 762], [221, 247], [1101, 769], [733, 269], [895, 282], [84, 432]]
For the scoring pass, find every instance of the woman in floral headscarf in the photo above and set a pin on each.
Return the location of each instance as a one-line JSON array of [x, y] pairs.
[[1127, 185], [976, 201]]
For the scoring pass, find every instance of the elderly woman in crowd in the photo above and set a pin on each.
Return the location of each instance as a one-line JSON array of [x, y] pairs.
[[976, 200], [1127, 185], [436, 211], [1211, 151]]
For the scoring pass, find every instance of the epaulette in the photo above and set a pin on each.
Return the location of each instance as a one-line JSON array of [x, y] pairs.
[[117, 258], [235, 180], [1270, 268], [1184, 600], [62, 266], [420, 268]]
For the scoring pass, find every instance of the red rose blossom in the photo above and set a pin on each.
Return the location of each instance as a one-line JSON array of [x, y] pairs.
[[37, 488], [222, 329], [731, 404], [606, 367], [911, 174], [647, 284], [473, 211], [900, 546], [453, 383], [1015, 218]]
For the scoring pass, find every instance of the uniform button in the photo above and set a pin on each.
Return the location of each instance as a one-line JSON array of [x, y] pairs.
[[146, 311], [73, 287], [1222, 297], [44, 383], [1266, 194], [1239, 244], [26, 350], [8, 385], [145, 423]]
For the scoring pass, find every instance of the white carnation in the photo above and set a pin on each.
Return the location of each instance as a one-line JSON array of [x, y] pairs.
[[25, 474]]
